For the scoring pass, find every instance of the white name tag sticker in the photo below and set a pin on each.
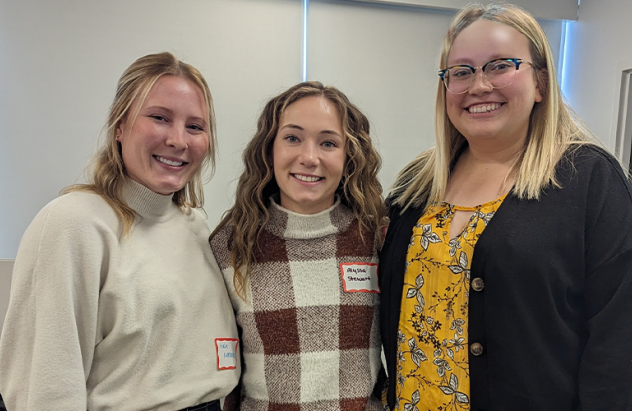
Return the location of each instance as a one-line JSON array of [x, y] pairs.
[[359, 277], [226, 353]]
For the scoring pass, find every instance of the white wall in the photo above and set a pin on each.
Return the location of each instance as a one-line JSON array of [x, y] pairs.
[[6, 266], [60, 60], [59, 63], [546, 9], [597, 50], [385, 59]]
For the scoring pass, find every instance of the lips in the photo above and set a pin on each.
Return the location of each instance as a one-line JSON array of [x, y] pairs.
[[307, 179], [484, 108], [168, 162]]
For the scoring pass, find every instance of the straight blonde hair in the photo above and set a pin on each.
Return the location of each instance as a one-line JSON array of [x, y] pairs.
[[108, 170], [553, 126]]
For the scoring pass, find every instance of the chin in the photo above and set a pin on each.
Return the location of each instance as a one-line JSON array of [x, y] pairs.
[[480, 134], [168, 189]]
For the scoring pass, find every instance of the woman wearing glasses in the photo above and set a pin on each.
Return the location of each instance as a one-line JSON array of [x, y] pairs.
[[507, 266]]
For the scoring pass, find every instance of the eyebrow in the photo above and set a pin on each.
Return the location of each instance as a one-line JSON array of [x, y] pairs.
[[471, 62], [297, 127], [159, 108], [194, 118]]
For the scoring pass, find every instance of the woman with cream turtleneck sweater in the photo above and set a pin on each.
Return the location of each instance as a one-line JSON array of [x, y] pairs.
[[117, 303]]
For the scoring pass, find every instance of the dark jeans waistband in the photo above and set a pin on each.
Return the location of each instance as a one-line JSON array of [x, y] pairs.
[[207, 406]]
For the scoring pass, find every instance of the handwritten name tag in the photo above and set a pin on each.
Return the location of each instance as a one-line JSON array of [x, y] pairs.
[[226, 353], [359, 277]]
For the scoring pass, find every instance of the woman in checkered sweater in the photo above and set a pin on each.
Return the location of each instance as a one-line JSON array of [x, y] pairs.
[[298, 252]]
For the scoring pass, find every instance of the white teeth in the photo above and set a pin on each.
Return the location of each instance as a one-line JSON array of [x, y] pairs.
[[169, 162], [485, 108], [307, 179]]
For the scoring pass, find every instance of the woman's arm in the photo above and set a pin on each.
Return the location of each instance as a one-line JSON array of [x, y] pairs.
[[49, 335], [605, 375]]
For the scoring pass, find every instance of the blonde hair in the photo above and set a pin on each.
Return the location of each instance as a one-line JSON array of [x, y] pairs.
[[553, 126], [359, 189], [108, 169]]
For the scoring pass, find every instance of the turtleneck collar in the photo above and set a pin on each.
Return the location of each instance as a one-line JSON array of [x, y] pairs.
[[145, 202], [288, 224]]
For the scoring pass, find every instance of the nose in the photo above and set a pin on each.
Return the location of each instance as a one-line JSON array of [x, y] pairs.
[[176, 137], [309, 155], [480, 85]]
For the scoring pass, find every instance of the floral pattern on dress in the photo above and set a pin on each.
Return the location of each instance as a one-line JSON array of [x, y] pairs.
[[432, 358]]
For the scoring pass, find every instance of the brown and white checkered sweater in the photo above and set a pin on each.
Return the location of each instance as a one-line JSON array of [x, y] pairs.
[[307, 343]]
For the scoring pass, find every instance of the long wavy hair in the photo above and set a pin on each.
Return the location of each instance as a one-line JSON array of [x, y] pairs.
[[553, 127], [107, 167], [359, 188]]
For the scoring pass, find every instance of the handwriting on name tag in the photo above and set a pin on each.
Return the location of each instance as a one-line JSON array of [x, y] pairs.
[[359, 277], [226, 353]]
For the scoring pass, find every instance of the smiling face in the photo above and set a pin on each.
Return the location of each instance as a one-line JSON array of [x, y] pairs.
[[165, 145], [309, 155], [484, 113]]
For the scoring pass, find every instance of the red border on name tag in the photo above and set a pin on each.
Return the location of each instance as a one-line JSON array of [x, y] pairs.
[[217, 351], [344, 282]]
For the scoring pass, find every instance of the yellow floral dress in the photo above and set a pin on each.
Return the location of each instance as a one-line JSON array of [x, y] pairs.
[[432, 359]]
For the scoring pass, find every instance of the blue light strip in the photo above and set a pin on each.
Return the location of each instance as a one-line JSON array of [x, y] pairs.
[[564, 49], [566, 27], [562, 62], [305, 6]]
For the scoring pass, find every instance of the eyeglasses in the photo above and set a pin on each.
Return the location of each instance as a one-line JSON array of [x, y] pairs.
[[498, 73]]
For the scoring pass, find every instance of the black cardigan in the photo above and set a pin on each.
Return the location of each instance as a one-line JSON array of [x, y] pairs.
[[555, 314]]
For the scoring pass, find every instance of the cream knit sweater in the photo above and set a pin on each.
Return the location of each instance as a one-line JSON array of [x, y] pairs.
[[102, 321]]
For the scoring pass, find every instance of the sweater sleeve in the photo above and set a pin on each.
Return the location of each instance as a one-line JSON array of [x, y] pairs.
[[606, 363], [49, 335], [220, 248]]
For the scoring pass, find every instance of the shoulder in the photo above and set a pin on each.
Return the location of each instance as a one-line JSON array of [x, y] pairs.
[[222, 236], [342, 217], [396, 211], [197, 221], [78, 211], [408, 174], [75, 226], [591, 165], [347, 223], [392, 208], [590, 155], [220, 245], [421, 167]]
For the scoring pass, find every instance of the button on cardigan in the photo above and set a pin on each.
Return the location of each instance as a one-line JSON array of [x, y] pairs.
[[555, 316]]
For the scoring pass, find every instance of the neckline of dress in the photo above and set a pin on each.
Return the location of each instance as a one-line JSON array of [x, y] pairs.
[[473, 208]]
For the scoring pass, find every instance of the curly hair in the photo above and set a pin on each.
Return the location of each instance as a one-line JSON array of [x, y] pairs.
[[359, 188], [108, 169]]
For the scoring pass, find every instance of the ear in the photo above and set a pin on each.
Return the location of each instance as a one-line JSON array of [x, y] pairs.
[[119, 130], [538, 95], [541, 82]]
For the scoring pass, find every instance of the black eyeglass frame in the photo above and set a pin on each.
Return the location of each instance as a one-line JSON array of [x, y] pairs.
[[515, 61]]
